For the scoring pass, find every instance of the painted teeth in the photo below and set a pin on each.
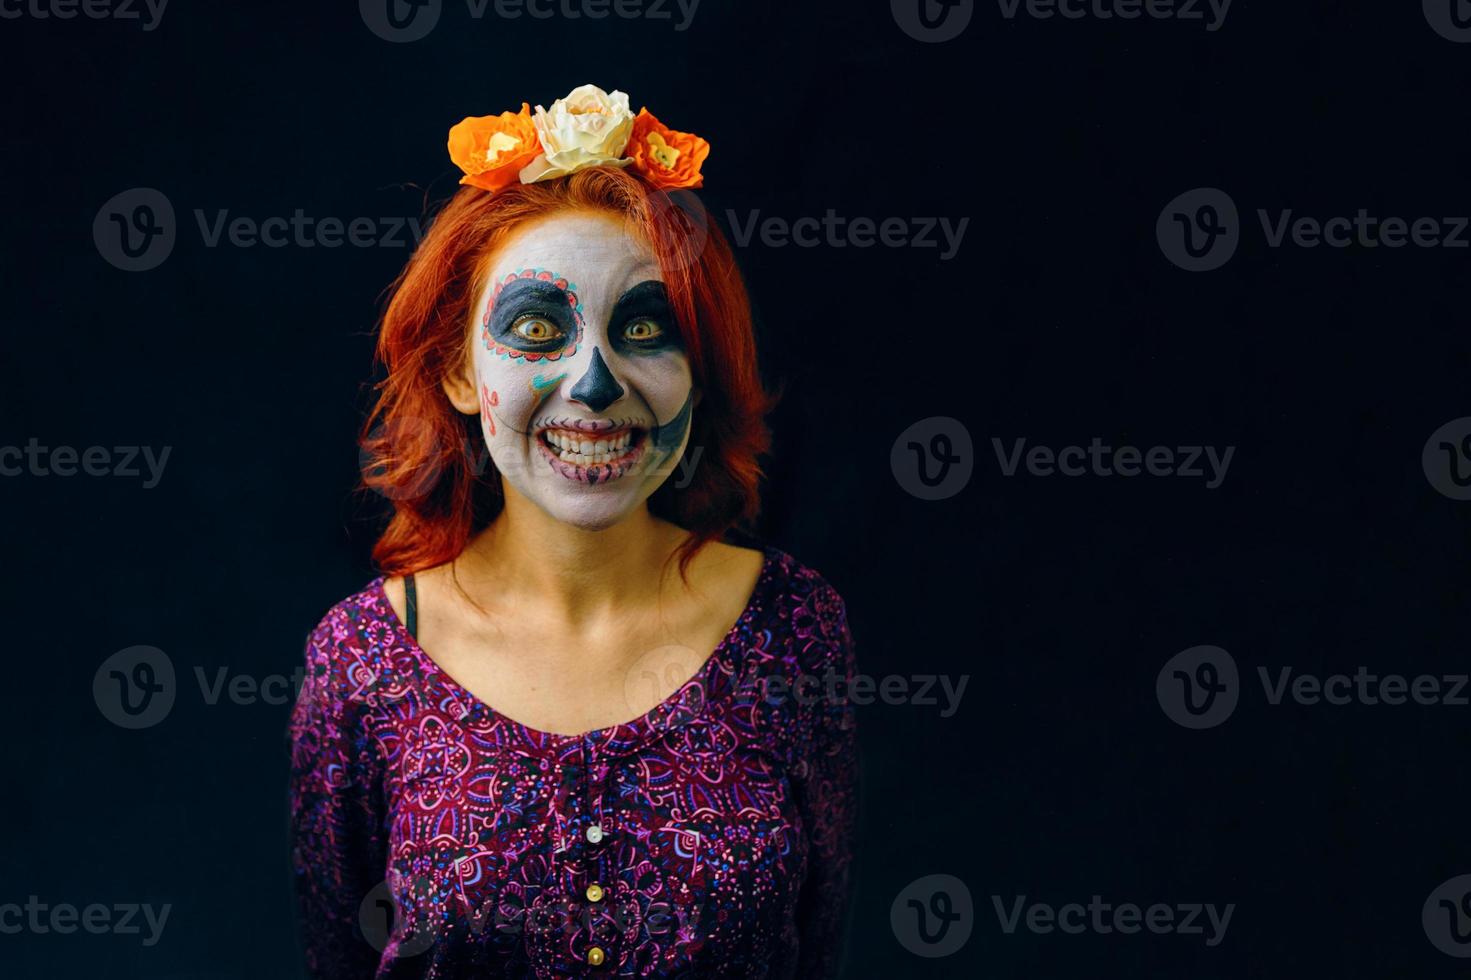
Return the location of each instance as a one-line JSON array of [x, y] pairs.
[[582, 449]]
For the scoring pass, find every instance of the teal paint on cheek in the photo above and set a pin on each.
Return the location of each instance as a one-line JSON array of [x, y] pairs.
[[541, 384]]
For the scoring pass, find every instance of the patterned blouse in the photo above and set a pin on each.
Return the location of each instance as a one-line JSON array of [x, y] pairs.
[[711, 837]]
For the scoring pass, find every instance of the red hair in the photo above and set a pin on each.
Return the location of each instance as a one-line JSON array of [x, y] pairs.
[[428, 458]]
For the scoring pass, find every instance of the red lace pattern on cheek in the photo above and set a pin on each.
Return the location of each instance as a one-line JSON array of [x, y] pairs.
[[488, 400]]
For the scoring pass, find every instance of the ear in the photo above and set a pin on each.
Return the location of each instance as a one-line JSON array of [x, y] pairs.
[[699, 393], [459, 387]]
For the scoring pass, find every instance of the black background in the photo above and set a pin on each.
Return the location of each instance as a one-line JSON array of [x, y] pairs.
[[1060, 319]]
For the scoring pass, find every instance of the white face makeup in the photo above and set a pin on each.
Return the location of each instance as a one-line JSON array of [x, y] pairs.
[[585, 391]]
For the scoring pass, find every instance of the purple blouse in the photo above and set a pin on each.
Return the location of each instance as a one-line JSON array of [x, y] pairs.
[[711, 837]]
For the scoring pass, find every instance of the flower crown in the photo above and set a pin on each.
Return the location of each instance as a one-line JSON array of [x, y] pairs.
[[587, 128]]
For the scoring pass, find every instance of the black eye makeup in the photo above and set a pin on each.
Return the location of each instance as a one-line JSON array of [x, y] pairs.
[[532, 314], [643, 321]]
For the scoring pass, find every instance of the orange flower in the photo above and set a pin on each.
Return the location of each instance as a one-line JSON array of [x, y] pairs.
[[491, 150], [665, 157]]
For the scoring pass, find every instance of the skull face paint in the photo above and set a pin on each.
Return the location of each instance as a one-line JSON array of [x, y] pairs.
[[585, 390]]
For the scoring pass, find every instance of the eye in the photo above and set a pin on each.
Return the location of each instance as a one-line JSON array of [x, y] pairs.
[[644, 330], [535, 329]]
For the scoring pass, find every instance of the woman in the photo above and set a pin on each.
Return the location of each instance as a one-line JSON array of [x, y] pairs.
[[573, 732]]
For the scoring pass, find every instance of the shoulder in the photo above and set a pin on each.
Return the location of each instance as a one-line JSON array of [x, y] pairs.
[[809, 677], [813, 609], [349, 642], [796, 571]]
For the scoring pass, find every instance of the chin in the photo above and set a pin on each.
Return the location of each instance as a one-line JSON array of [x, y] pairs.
[[593, 511]]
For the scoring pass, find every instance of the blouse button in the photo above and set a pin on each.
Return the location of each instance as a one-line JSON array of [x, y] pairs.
[[595, 956], [594, 834], [594, 893]]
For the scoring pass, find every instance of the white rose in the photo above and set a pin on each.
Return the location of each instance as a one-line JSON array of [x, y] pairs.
[[586, 128]]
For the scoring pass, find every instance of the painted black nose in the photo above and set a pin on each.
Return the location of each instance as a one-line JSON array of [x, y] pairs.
[[598, 388]]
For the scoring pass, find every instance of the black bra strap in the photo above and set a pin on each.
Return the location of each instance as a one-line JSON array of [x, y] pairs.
[[411, 603]]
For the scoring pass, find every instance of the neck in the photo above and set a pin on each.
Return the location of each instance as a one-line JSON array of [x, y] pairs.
[[532, 560]]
